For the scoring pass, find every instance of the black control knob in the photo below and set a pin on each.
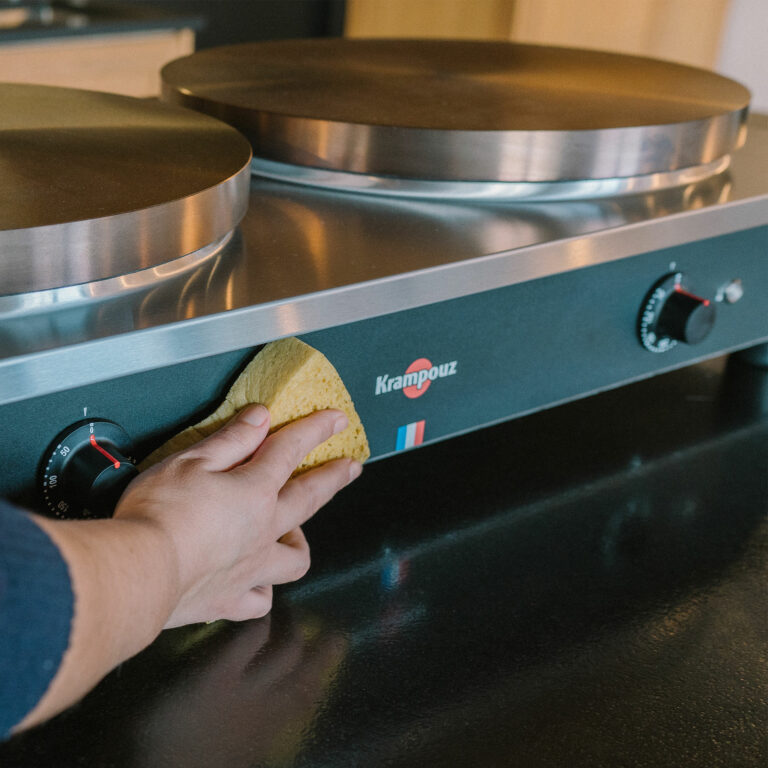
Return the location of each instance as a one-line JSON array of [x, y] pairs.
[[86, 470], [671, 313], [685, 317]]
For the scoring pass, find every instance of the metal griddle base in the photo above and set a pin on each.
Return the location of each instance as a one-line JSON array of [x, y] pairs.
[[581, 587]]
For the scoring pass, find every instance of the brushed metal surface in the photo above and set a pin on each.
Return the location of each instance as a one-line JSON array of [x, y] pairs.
[[70, 296], [95, 185], [458, 110], [493, 191], [307, 259]]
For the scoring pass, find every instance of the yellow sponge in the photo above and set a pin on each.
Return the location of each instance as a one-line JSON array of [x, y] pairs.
[[292, 380]]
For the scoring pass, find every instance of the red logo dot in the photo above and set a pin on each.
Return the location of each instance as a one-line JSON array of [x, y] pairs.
[[417, 390]]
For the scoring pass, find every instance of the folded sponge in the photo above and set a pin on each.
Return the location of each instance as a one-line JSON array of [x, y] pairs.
[[292, 380]]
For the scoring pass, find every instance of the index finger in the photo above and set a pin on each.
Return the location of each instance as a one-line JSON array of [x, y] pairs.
[[279, 455]]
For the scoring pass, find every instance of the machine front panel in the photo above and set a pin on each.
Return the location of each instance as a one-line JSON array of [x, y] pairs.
[[426, 374]]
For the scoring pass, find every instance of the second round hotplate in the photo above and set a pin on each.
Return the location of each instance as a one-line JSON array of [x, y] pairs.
[[458, 110]]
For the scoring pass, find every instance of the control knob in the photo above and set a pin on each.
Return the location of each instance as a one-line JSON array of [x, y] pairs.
[[86, 469], [672, 314]]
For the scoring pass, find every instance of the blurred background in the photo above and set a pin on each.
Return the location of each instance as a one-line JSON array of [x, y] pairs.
[[121, 46]]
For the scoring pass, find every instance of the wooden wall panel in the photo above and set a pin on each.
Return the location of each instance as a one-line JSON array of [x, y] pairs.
[[690, 31], [682, 30], [123, 63], [469, 19]]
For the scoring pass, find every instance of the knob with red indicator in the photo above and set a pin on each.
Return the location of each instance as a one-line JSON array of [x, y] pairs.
[[86, 470], [672, 314]]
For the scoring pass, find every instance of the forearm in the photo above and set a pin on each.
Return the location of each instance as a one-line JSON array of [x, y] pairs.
[[124, 578], [202, 536]]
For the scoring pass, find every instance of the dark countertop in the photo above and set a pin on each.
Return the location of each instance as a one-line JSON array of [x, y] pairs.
[[64, 20], [585, 586]]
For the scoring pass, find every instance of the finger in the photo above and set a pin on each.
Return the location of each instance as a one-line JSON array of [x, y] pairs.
[[236, 441], [294, 539], [284, 450], [288, 559], [302, 496], [254, 604]]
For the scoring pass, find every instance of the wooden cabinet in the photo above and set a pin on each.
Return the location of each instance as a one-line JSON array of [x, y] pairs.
[[469, 19], [688, 31], [128, 63]]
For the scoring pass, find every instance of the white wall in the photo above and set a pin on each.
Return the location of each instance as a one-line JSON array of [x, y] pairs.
[[744, 48]]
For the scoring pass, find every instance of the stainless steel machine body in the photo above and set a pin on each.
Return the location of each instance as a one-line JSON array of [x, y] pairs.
[[529, 304]]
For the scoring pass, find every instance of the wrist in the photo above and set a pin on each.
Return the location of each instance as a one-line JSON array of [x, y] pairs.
[[146, 546], [124, 575]]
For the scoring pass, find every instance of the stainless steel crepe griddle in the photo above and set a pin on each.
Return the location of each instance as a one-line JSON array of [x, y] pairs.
[[552, 223], [592, 574]]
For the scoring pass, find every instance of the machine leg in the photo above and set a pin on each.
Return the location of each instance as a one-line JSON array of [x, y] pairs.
[[744, 388], [757, 356]]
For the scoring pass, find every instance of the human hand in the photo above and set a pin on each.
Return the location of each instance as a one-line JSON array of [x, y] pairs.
[[232, 513]]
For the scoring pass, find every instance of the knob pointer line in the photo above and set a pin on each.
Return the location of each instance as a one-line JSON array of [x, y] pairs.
[[115, 462], [679, 289]]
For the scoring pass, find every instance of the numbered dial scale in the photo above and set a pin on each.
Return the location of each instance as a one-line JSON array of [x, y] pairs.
[[86, 469], [671, 313]]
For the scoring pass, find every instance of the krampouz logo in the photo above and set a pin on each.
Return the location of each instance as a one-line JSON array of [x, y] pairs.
[[417, 378]]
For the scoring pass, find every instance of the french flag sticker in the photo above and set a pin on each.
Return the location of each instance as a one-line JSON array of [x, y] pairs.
[[410, 435]]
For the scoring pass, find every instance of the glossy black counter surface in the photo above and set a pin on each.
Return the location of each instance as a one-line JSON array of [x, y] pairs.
[[581, 587]]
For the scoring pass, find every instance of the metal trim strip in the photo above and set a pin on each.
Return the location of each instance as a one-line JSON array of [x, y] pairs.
[[26, 376]]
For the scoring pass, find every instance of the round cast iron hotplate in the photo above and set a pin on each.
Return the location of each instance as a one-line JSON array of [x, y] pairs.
[[463, 111], [96, 185]]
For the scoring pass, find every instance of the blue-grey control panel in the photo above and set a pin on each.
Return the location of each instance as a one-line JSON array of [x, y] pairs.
[[426, 374]]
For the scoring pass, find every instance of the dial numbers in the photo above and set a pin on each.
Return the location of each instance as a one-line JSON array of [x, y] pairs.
[[86, 469]]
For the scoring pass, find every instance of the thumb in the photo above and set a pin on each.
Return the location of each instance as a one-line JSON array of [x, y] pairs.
[[236, 441]]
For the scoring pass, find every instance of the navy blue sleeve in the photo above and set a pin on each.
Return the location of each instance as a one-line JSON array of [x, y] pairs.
[[36, 606]]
